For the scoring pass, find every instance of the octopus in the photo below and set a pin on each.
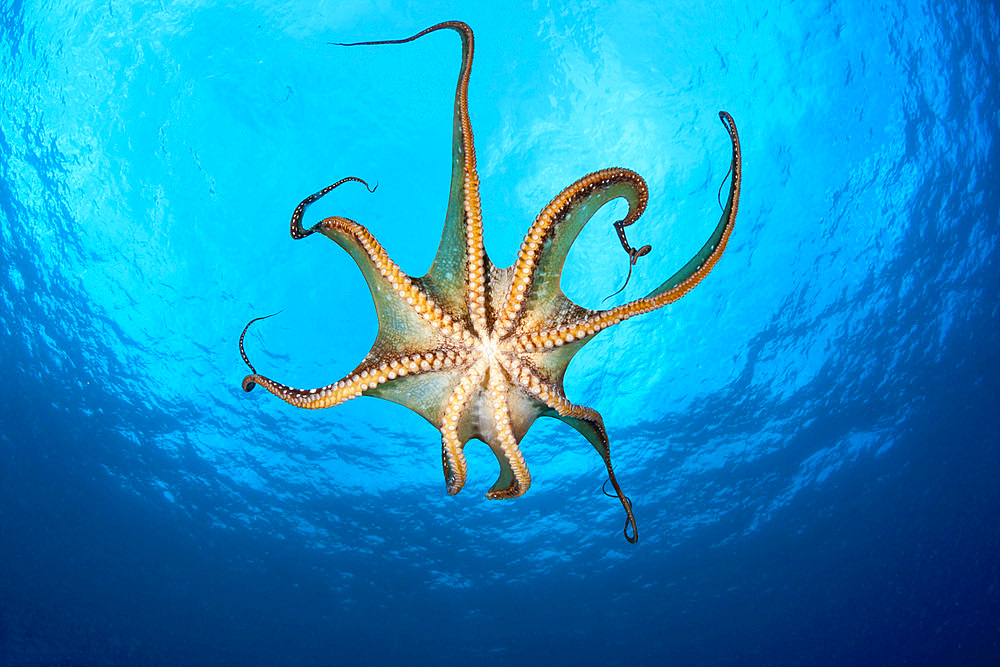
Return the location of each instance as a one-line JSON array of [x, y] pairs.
[[480, 351]]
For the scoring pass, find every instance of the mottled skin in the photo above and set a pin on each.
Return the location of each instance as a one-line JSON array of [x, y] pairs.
[[480, 351]]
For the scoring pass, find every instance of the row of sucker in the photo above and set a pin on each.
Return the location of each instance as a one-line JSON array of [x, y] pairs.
[[497, 386], [361, 380], [547, 392], [451, 444]]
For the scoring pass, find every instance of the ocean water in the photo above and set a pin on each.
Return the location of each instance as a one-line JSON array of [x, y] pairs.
[[810, 438]]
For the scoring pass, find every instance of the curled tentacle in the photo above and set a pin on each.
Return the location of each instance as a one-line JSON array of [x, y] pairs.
[[629, 519], [633, 253], [298, 231], [249, 384], [633, 256]]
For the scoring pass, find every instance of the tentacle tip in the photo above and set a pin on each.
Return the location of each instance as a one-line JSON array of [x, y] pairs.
[[728, 121], [630, 523], [641, 252], [249, 382]]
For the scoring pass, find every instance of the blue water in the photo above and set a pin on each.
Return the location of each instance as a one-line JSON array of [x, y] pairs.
[[810, 438]]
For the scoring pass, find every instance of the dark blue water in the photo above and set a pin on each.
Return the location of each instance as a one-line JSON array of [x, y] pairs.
[[810, 438]]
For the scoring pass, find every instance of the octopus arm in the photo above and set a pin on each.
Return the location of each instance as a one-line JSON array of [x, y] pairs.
[[462, 239], [695, 270], [591, 426], [704, 261], [537, 272]]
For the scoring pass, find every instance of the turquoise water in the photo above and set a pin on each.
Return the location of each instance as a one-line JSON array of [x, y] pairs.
[[809, 438]]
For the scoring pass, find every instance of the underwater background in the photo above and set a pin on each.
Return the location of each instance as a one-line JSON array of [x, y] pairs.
[[810, 438]]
